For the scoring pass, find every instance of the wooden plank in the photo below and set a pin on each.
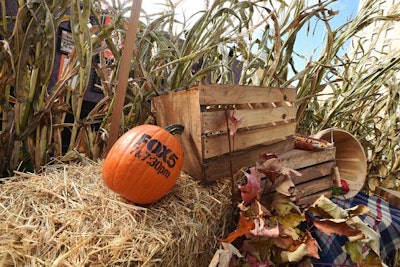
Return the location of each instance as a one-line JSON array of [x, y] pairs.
[[318, 187], [215, 121], [220, 167], [390, 195], [123, 75], [222, 94], [316, 168], [297, 158], [218, 145], [311, 172], [308, 200], [183, 108], [314, 186]]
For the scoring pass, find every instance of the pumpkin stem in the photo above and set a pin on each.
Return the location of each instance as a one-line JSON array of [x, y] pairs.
[[175, 128]]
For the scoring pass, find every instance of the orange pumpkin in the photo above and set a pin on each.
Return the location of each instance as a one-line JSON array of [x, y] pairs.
[[144, 163]]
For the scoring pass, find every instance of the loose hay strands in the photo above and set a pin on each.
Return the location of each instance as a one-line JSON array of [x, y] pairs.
[[68, 217]]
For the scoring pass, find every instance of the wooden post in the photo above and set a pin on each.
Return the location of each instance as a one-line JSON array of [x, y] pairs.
[[123, 73]]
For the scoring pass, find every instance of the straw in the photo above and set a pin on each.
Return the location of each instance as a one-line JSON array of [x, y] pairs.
[[68, 217]]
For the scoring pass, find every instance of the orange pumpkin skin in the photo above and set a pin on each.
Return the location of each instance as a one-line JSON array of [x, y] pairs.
[[143, 164]]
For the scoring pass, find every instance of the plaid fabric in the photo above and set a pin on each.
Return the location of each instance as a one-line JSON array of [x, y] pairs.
[[385, 220]]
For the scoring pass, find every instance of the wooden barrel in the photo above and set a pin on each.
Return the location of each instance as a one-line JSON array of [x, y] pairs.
[[350, 158]]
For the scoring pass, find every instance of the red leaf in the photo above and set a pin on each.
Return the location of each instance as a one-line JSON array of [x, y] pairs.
[[233, 123], [244, 227], [251, 190]]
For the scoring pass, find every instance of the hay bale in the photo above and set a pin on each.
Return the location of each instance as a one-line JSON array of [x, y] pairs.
[[67, 217]]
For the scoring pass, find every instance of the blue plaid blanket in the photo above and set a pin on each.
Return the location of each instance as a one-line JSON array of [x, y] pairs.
[[385, 220]]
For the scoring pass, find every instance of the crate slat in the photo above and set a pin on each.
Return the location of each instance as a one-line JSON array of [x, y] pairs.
[[267, 116], [316, 168], [215, 121], [309, 199], [219, 144], [220, 167], [310, 191], [222, 94], [297, 158], [182, 107]]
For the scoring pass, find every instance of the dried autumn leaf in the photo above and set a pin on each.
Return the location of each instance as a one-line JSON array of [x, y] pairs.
[[289, 171], [292, 219], [222, 257], [271, 167], [371, 237], [354, 251], [255, 173], [258, 249], [244, 227], [288, 231], [251, 190], [358, 210], [312, 246], [324, 207], [261, 229], [286, 186], [296, 255], [233, 123], [283, 242], [372, 260], [259, 209], [252, 261], [339, 227], [283, 205]]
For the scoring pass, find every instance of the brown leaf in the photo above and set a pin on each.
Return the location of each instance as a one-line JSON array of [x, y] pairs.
[[244, 227], [372, 260], [285, 188], [312, 246], [284, 242], [340, 227], [270, 167], [258, 209]]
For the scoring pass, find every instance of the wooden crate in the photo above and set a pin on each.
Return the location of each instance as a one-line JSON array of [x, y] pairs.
[[316, 168], [267, 120]]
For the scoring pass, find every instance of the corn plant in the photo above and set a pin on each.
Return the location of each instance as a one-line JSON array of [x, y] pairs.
[[28, 42], [33, 112], [167, 51]]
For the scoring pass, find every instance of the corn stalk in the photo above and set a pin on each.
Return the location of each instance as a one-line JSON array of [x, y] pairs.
[[217, 41]]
